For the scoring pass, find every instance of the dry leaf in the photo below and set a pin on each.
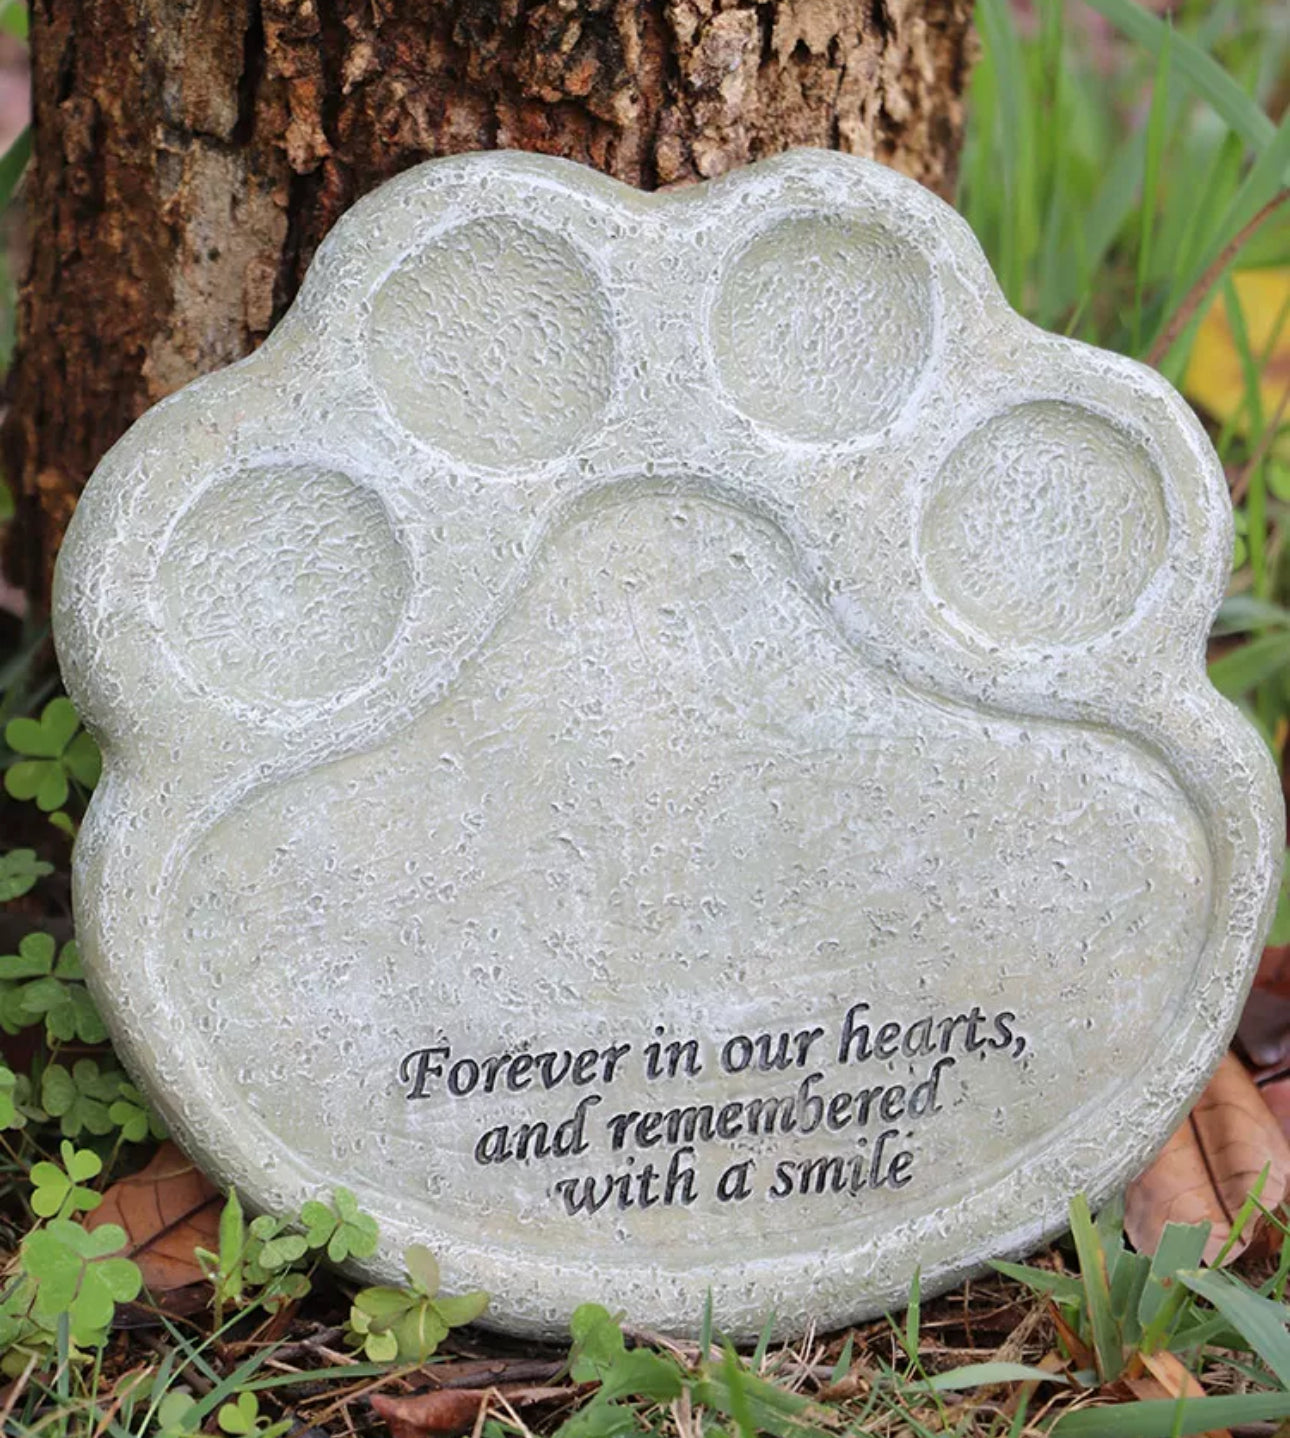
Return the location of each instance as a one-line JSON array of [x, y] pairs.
[[1215, 378], [1264, 1030], [1168, 1378], [1080, 1353], [1172, 1375], [167, 1210], [1207, 1169], [452, 1410], [445, 1410]]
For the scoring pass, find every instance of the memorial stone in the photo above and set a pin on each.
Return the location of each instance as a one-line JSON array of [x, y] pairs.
[[663, 741]]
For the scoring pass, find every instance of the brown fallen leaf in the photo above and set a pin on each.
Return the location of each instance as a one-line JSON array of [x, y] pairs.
[[1208, 1167], [1168, 1377], [167, 1209], [1263, 1034], [453, 1410], [1081, 1355], [1274, 1089]]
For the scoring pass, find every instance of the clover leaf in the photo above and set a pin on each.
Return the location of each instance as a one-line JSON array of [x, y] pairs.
[[177, 1415], [53, 751], [241, 1418], [19, 870], [276, 1248], [75, 1275], [21, 1336], [356, 1233], [58, 1191], [600, 1355], [80, 1098], [343, 1229], [34, 959], [409, 1323], [9, 1116], [131, 1114], [597, 1343], [53, 991], [67, 1009]]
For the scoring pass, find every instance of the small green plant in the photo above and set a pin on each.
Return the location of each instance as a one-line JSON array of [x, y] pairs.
[[54, 753], [176, 1415], [242, 1419], [1124, 1307], [1123, 1303], [130, 1113], [633, 1380], [408, 1324], [44, 983], [66, 1280], [19, 871], [10, 1115], [59, 1191], [81, 1097], [343, 1229], [72, 1271], [269, 1259]]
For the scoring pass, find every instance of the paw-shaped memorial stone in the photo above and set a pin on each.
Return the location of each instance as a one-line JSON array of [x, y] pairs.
[[663, 741]]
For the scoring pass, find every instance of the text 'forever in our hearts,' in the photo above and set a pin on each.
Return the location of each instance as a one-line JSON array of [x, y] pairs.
[[657, 1152]]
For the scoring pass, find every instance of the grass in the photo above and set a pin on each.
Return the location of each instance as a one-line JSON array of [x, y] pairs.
[[1116, 204], [1119, 168]]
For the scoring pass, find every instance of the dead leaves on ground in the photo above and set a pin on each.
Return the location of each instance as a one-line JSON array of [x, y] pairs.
[[1167, 1377], [1210, 1165], [457, 1410], [167, 1209]]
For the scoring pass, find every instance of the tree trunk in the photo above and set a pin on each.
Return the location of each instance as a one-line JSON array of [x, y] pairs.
[[190, 155]]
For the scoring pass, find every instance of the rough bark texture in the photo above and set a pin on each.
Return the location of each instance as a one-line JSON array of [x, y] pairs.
[[190, 155]]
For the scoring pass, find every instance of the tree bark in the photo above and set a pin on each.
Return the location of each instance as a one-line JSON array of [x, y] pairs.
[[190, 155]]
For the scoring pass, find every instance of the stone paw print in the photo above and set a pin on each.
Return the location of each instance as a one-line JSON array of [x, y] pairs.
[[663, 741]]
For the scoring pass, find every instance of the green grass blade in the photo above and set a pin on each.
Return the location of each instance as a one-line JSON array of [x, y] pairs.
[[13, 18], [1263, 183], [1097, 1292], [1251, 402], [1104, 219], [740, 1408], [843, 1366], [1245, 1214], [763, 1343], [1151, 170], [1019, 224], [981, 1375], [1165, 1418], [228, 1386], [1260, 1321], [1132, 1273], [1201, 71], [1240, 670], [1241, 613], [913, 1316], [1181, 1246], [1058, 1286]]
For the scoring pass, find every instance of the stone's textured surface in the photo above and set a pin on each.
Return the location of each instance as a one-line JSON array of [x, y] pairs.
[[663, 740], [300, 612], [822, 327], [1045, 524], [495, 343]]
